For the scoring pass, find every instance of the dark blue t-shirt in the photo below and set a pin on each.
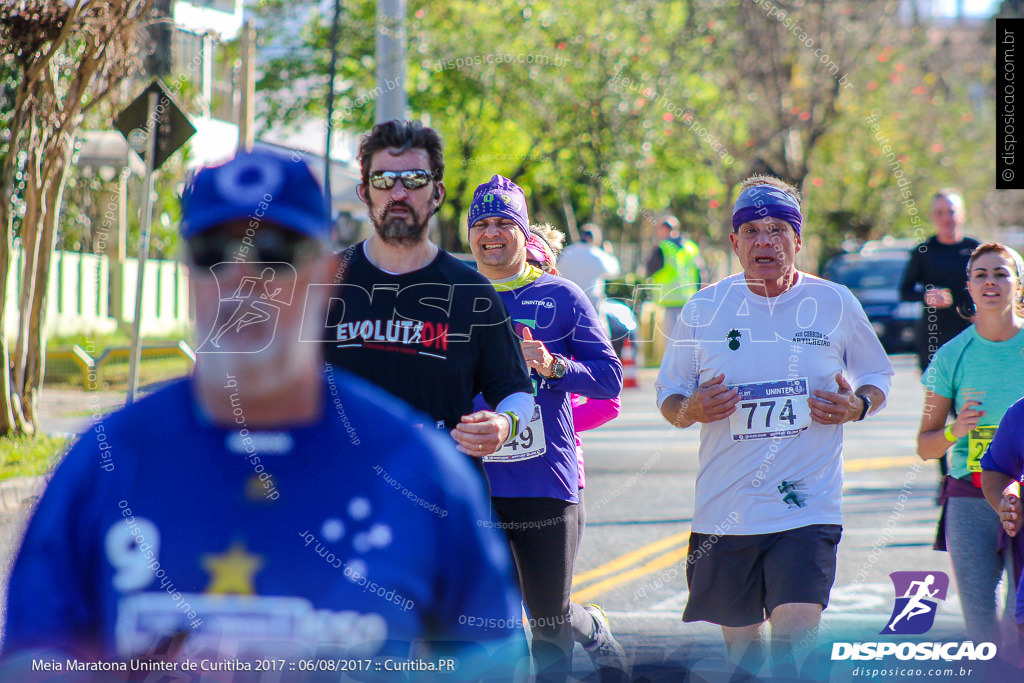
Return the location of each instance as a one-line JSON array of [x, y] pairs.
[[356, 534], [1006, 454]]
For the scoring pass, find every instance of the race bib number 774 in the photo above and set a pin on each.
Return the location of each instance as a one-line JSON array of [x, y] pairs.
[[771, 409]]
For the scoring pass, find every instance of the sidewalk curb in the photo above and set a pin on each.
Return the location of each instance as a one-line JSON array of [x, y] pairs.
[[16, 493]]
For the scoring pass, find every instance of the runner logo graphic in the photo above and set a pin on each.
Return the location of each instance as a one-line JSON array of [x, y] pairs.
[[917, 595], [247, 316]]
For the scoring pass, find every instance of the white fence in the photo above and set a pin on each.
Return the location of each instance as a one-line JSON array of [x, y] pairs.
[[81, 297]]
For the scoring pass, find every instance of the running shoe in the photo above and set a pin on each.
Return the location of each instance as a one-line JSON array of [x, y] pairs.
[[605, 652]]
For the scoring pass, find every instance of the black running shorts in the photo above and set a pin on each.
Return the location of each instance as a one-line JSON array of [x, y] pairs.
[[738, 580]]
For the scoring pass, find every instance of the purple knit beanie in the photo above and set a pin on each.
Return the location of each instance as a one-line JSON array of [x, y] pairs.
[[499, 196]]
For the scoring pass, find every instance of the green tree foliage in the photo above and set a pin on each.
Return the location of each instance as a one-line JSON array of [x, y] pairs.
[[918, 119], [63, 61], [620, 112]]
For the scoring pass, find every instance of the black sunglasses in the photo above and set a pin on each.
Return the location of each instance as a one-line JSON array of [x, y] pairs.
[[266, 246], [411, 180]]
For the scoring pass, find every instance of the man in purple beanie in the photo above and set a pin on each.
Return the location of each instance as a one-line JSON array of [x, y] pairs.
[[535, 479], [771, 362], [414, 320]]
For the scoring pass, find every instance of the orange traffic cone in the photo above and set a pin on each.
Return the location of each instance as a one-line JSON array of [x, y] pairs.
[[629, 365]]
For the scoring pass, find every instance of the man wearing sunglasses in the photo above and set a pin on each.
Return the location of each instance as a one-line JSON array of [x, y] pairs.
[[248, 511], [414, 320]]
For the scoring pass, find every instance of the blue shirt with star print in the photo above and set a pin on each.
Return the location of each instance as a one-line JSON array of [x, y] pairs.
[[353, 536]]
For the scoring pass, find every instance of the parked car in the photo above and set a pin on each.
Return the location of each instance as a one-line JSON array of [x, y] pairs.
[[874, 276]]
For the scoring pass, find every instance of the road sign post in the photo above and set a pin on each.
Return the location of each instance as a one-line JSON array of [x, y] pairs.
[[155, 127]]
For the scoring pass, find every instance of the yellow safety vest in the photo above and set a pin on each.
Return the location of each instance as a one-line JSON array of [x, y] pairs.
[[679, 276]]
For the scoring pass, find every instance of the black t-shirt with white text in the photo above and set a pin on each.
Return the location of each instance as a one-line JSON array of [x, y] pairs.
[[435, 337]]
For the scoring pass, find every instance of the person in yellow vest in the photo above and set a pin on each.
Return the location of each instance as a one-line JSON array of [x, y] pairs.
[[675, 266]]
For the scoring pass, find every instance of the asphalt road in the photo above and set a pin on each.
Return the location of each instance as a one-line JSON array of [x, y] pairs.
[[639, 501]]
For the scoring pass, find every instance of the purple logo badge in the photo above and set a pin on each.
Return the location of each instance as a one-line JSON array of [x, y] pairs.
[[917, 595]]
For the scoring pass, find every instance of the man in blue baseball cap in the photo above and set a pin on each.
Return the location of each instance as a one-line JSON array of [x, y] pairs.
[[771, 362], [256, 509]]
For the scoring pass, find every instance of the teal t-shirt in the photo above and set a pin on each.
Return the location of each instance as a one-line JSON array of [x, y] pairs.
[[970, 367]]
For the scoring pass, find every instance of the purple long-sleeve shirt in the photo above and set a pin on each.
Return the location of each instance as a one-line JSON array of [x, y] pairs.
[[559, 314]]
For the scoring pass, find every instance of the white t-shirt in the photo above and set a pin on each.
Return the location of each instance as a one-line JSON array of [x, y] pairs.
[[768, 467], [588, 266]]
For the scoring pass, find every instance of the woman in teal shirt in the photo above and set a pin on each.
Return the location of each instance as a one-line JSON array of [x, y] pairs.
[[975, 377]]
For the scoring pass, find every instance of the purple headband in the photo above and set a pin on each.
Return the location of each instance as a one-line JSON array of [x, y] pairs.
[[766, 201]]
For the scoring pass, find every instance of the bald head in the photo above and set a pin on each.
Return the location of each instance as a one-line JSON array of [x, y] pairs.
[[948, 216]]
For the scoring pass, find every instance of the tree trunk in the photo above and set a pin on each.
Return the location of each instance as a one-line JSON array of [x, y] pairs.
[[6, 411], [73, 63], [8, 414], [452, 234], [30, 255], [7, 421], [57, 165]]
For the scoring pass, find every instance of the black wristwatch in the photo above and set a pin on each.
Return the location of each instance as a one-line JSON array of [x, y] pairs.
[[558, 368], [867, 407]]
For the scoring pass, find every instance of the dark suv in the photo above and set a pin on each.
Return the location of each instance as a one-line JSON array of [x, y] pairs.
[[874, 278]]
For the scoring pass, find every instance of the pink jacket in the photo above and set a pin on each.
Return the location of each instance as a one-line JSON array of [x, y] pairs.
[[590, 414]]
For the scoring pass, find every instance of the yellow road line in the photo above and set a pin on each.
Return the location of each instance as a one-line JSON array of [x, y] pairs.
[[660, 562], [862, 464], [623, 561], [674, 554]]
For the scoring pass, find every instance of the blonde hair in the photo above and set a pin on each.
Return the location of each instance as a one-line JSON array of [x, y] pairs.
[[552, 236]]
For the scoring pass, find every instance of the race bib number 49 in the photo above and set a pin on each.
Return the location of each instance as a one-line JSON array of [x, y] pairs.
[[528, 445], [776, 409]]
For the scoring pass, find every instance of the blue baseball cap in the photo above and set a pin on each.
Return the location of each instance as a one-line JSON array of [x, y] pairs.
[[256, 187]]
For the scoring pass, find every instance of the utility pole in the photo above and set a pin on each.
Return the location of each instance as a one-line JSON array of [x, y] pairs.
[[247, 117], [391, 56], [332, 71]]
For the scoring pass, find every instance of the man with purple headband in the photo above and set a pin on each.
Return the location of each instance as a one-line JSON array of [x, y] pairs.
[[771, 362]]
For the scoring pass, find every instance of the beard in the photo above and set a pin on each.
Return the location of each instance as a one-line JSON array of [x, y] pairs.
[[400, 230]]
